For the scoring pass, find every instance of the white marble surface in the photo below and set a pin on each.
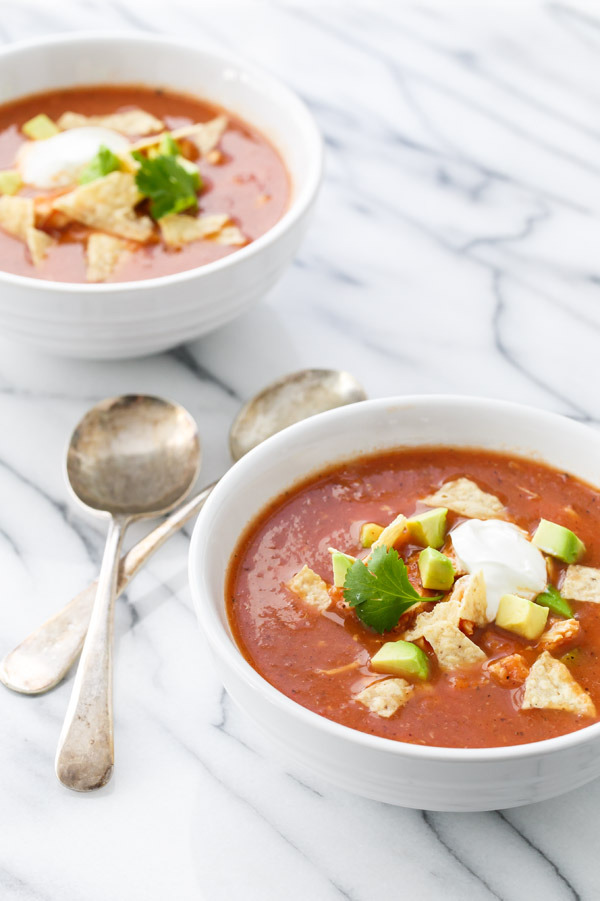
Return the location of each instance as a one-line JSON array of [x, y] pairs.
[[455, 249]]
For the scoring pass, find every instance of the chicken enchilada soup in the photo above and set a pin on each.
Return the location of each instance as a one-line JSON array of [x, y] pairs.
[[435, 596], [126, 183]]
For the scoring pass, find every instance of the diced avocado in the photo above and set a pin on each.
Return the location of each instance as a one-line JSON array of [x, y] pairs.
[[341, 563], [401, 658], [555, 602], [521, 616], [40, 127], [558, 541], [168, 145], [436, 570], [10, 181], [369, 533], [429, 529]]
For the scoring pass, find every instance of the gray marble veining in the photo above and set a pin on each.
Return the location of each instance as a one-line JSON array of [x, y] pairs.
[[455, 249]]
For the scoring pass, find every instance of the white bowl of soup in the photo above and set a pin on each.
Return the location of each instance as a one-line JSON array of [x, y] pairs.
[[452, 660], [149, 191]]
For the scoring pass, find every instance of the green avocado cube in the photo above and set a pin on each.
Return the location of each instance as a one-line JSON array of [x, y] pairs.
[[341, 563], [39, 128], [521, 616], [10, 181], [436, 570], [369, 533], [553, 599], [559, 542], [428, 529], [401, 658]]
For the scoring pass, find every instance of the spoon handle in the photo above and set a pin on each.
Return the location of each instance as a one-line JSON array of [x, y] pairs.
[[43, 659], [85, 756]]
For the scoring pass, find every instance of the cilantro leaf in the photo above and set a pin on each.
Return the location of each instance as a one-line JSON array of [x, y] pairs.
[[380, 592], [169, 186], [102, 164]]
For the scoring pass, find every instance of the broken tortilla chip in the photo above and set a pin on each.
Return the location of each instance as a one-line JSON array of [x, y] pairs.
[[311, 588], [452, 647], [465, 497], [386, 696], [471, 595], [103, 255], [38, 243], [108, 205], [178, 229], [468, 601], [131, 123], [581, 583], [551, 686], [231, 236], [16, 215], [443, 612], [392, 533]]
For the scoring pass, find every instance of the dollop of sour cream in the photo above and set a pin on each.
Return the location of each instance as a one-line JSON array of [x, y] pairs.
[[511, 564], [57, 161]]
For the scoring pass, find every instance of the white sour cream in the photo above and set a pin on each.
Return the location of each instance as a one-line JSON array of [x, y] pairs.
[[511, 564], [57, 161]]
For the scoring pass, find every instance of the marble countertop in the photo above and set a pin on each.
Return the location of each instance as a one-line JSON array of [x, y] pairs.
[[455, 249]]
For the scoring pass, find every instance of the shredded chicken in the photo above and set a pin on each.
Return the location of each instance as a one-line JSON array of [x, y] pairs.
[[560, 633], [510, 671]]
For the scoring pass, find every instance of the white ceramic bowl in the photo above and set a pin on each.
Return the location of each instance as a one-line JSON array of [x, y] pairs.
[[398, 773], [103, 321]]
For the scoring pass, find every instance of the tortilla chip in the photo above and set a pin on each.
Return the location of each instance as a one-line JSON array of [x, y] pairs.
[[311, 588], [108, 205], [206, 135], [386, 696], [551, 686], [392, 533], [471, 595], [132, 123], [452, 647], [232, 236], [582, 583], [38, 243], [467, 602], [16, 215], [178, 229], [443, 612], [103, 255], [465, 497]]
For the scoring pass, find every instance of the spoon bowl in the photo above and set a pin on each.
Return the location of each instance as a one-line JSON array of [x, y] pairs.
[[289, 400], [135, 455]]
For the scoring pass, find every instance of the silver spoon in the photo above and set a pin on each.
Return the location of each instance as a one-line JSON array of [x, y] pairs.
[[43, 659], [130, 457]]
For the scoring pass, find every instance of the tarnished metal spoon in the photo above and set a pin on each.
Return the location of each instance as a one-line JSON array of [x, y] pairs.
[[130, 457], [42, 660]]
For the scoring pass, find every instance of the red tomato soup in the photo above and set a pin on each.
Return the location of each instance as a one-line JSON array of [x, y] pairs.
[[304, 637], [222, 186]]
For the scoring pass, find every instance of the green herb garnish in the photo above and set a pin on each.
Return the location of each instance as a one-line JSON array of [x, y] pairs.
[[167, 184], [553, 599], [102, 164], [381, 592]]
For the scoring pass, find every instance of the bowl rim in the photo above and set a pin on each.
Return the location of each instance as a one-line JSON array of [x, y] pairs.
[[299, 203], [224, 646]]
